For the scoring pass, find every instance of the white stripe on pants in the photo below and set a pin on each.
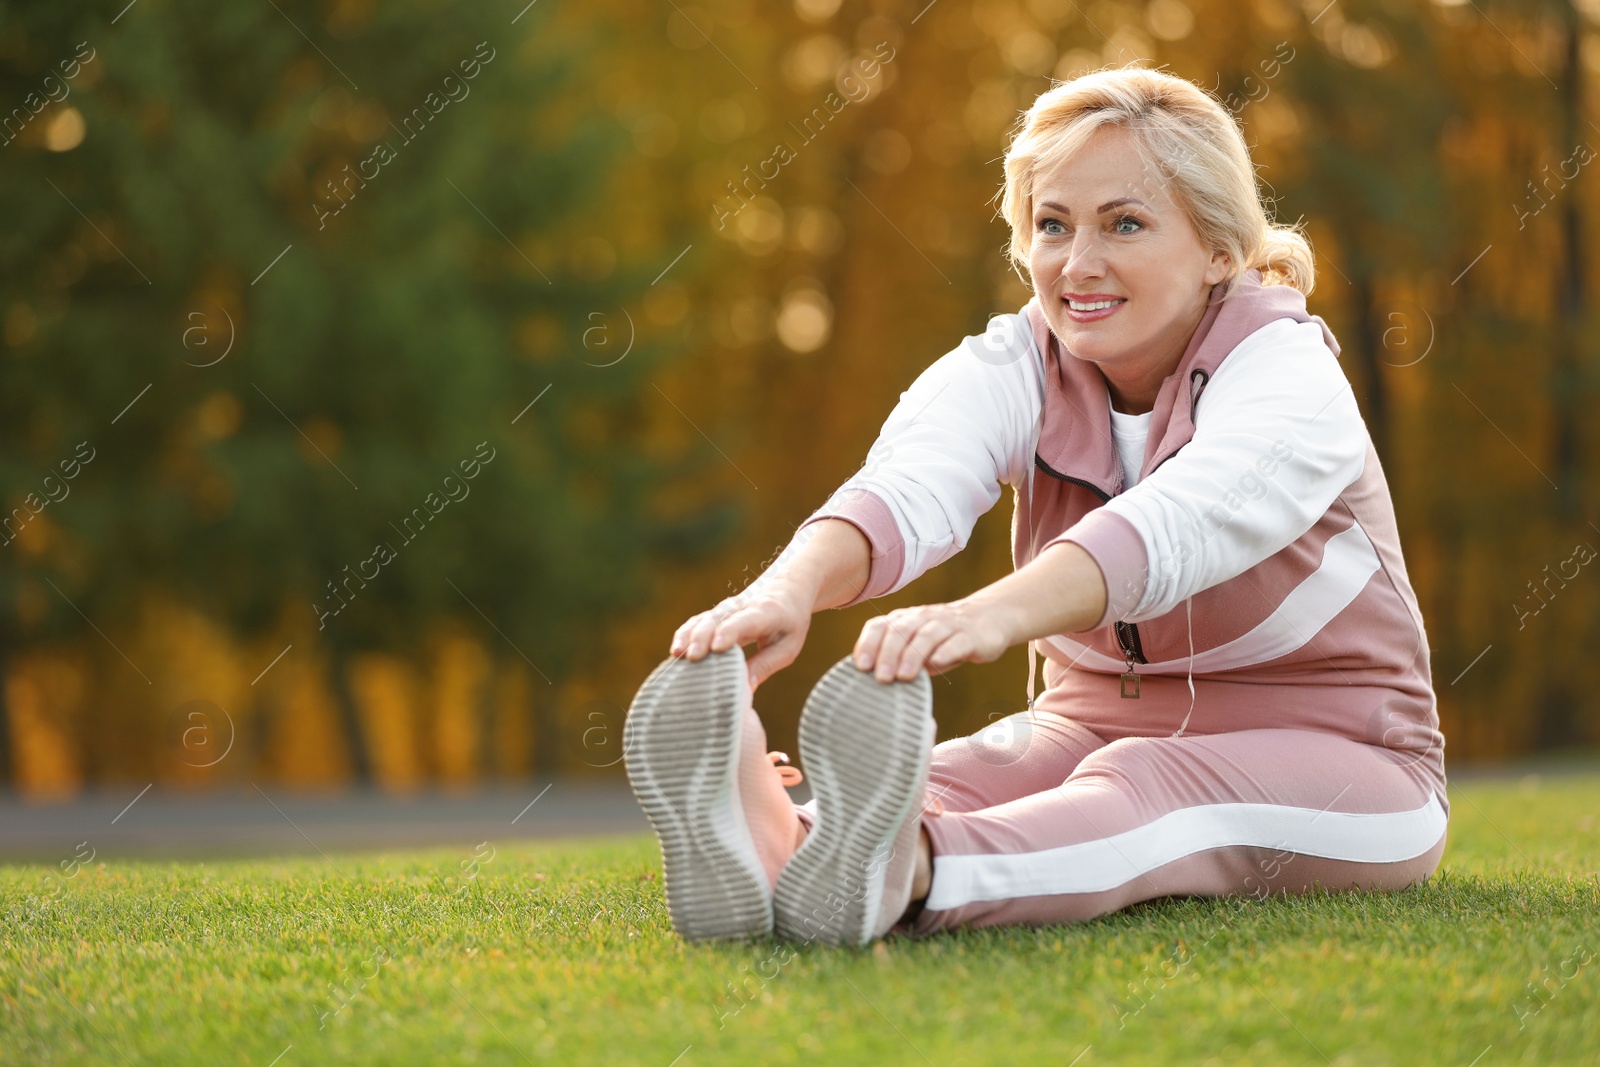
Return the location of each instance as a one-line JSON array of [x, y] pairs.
[[1044, 822]]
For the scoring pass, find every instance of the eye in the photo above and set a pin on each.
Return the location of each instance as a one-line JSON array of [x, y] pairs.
[[1045, 224], [1126, 224]]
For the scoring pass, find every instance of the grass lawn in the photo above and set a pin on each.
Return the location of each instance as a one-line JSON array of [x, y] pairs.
[[560, 952]]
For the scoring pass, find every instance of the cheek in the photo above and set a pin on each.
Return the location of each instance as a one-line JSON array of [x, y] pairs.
[[1146, 275], [1163, 293], [1042, 263]]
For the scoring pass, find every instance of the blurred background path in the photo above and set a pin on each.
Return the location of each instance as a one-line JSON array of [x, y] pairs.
[[268, 821], [275, 820]]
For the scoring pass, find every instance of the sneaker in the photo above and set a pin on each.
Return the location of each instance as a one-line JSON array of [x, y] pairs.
[[692, 744], [866, 746]]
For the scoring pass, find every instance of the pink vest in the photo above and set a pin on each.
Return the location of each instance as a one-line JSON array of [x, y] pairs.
[[1278, 646]]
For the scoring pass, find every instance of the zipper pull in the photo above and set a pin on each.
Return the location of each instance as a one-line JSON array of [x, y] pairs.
[[1130, 680]]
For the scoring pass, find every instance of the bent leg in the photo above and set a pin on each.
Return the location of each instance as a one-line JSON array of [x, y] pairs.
[[1252, 812], [1010, 758]]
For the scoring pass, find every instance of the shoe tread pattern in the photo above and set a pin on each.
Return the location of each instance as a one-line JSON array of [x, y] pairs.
[[681, 743], [864, 745]]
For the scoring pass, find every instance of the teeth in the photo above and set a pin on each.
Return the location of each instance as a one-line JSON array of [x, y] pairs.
[[1097, 305]]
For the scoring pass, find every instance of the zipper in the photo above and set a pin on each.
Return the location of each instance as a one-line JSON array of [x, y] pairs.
[[1095, 489], [1128, 638], [1127, 632]]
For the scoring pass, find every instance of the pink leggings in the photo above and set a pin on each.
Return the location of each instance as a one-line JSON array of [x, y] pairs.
[[1043, 821]]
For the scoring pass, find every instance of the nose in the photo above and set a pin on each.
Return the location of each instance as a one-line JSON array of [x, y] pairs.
[[1085, 260]]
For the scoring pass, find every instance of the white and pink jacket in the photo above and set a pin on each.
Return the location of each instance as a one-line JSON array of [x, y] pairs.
[[1254, 569]]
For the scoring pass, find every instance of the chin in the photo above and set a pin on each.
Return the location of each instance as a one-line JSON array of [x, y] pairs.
[[1094, 353], [1087, 343]]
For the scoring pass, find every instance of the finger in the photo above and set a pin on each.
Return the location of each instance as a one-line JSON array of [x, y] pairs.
[[684, 634], [952, 652], [700, 633], [773, 658], [738, 628], [900, 628], [914, 656], [866, 650], [695, 637], [881, 641]]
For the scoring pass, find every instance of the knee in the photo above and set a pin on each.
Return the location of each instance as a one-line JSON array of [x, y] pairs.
[[949, 758], [1119, 757], [1002, 743]]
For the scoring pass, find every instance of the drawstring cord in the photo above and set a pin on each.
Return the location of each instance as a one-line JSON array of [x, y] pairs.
[[1188, 612], [1032, 663]]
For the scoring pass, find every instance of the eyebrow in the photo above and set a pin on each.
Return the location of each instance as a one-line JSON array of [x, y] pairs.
[[1102, 209]]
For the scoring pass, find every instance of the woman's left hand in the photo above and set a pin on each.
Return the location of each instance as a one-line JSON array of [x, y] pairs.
[[933, 636]]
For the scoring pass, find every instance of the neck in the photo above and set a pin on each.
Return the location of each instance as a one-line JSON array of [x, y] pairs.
[[1132, 398], [1135, 383]]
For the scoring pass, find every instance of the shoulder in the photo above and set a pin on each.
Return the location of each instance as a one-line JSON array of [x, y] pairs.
[[1299, 342], [1283, 383], [1281, 355], [1283, 379]]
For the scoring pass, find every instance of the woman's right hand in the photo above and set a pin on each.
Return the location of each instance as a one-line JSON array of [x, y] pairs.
[[775, 618]]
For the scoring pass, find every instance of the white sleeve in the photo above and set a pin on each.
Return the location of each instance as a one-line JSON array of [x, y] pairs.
[[966, 425], [1278, 436]]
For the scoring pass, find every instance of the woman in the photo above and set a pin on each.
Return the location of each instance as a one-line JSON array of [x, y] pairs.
[[1237, 689]]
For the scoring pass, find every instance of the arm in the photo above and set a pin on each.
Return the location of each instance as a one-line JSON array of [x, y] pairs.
[[825, 565], [1059, 591], [832, 567], [967, 425]]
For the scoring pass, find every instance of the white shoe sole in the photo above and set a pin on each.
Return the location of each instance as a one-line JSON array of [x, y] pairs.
[[865, 746], [681, 747]]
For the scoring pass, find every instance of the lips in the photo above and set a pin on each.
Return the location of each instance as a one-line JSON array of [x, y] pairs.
[[1092, 307], [1092, 301]]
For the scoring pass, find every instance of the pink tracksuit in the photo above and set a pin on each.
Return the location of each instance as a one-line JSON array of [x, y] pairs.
[[1254, 712]]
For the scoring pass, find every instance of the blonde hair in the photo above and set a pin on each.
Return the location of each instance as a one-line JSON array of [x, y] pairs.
[[1192, 143]]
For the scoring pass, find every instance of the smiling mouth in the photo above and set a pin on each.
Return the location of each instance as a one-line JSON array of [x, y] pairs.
[[1095, 305]]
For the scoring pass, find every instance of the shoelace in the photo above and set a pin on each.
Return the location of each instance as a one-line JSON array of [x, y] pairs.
[[791, 775]]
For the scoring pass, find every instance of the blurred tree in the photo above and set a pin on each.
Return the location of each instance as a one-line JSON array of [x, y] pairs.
[[546, 233], [311, 284]]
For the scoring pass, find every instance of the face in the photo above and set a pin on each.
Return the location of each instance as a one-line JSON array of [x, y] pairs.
[[1119, 270]]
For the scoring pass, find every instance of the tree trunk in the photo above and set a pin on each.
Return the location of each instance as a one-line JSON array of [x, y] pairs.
[[355, 738], [8, 775], [1566, 373], [1556, 702], [547, 753]]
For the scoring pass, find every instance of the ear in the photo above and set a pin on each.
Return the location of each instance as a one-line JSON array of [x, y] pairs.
[[1221, 264]]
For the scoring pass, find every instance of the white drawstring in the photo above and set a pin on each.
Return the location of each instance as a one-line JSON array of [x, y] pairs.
[[1189, 615], [1032, 660]]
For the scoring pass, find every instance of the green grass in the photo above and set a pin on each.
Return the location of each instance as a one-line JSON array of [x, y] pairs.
[[560, 952]]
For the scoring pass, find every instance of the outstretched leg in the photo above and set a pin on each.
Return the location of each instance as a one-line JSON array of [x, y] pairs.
[[1252, 812]]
